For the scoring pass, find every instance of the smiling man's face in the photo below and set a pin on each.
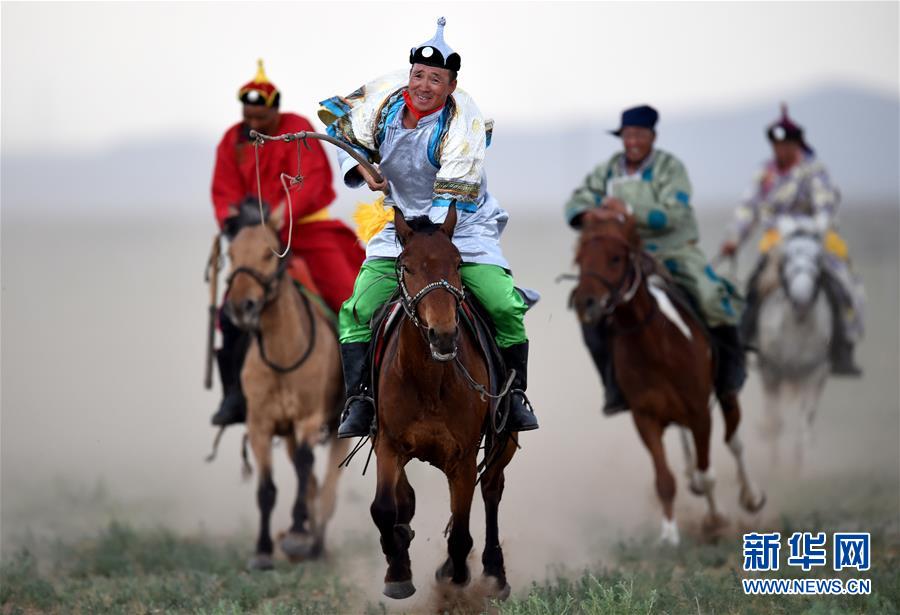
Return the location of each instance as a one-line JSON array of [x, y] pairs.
[[429, 87], [638, 143]]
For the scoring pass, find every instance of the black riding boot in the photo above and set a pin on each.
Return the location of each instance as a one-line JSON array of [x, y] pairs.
[[751, 309], [230, 358], [521, 414], [359, 411], [842, 363], [598, 343], [731, 368]]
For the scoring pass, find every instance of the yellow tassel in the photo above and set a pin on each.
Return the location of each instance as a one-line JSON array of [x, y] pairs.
[[260, 73], [769, 240], [371, 218], [835, 245]]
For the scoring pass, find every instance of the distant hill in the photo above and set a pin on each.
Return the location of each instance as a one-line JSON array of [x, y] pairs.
[[855, 131]]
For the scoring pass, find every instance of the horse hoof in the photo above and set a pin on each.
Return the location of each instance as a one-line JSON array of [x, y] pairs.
[[298, 546], [398, 590], [497, 591], [261, 561], [747, 503], [695, 488], [444, 574]]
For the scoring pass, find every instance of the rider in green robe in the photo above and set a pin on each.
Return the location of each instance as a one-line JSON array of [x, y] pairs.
[[654, 185]]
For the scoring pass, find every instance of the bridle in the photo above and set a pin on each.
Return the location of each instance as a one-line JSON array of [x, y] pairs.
[[410, 303], [270, 293], [617, 297]]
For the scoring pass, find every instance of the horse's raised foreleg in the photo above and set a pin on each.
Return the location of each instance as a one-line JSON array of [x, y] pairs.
[[492, 484], [395, 537], [651, 431], [459, 543], [704, 479], [751, 498], [261, 443], [299, 543]]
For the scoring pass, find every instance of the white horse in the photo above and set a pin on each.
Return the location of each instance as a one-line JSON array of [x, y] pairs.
[[794, 332]]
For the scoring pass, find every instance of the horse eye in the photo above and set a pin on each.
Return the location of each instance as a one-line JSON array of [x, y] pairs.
[[269, 256], [615, 260]]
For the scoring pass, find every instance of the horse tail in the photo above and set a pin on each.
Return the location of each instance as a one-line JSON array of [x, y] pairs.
[[328, 494]]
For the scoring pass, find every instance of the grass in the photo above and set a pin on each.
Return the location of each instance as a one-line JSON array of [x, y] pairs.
[[124, 570], [703, 577]]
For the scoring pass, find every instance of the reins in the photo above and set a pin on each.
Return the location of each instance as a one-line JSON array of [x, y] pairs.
[[288, 181], [270, 290]]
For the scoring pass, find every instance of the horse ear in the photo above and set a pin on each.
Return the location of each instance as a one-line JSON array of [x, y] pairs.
[[403, 230], [276, 219], [449, 224]]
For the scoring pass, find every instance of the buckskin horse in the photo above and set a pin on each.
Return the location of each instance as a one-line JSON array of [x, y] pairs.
[[663, 359], [429, 409], [293, 384]]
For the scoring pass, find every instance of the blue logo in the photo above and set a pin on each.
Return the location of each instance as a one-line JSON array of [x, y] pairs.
[[807, 550], [761, 551], [851, 551]]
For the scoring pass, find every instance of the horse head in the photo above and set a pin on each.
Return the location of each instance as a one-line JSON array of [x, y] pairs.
[[608, 257], [256, 271], [800, 262], [430, 262]]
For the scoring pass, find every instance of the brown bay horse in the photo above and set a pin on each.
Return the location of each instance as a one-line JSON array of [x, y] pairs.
[[428, 411], [293, 384], [663, 360]]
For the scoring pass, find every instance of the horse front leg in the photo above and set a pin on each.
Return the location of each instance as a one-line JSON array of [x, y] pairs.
[[651, 432], [299, 543], [395, 536], [751, 498], [704, 479], [492, 484], [459, 543], [261, 444]]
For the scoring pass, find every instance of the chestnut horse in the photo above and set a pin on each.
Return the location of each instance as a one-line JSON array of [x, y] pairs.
[[663, 359], [428, 411], [293, 384]]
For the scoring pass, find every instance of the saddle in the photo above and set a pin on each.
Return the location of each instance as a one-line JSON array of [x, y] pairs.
[[474, 317]]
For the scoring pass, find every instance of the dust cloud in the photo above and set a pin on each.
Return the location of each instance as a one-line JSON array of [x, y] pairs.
[[104, 415]]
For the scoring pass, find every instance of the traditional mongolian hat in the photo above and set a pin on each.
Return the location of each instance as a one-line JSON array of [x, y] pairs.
[[435, 52], [786, 130], [260, 91], [644, 116]]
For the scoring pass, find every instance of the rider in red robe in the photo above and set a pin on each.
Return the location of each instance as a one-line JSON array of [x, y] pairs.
[[331, 251]]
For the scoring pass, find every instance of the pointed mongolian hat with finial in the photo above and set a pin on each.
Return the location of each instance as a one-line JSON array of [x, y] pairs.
[[259, 91], [435, 52], [785, 129]]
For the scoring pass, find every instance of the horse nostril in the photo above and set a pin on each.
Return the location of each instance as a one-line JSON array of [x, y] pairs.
[[248, 305], [589, 303], [432, 335]]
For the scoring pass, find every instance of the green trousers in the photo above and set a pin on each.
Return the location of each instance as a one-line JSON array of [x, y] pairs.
[[491, 285]]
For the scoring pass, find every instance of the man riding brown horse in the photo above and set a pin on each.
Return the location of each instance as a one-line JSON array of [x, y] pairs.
[[429, 139], [329, 248], [654, 186]]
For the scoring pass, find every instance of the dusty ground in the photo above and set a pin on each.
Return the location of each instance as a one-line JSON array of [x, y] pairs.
[[103, 413]]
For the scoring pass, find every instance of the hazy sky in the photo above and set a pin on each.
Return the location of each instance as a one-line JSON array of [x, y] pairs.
[[93, 75]]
